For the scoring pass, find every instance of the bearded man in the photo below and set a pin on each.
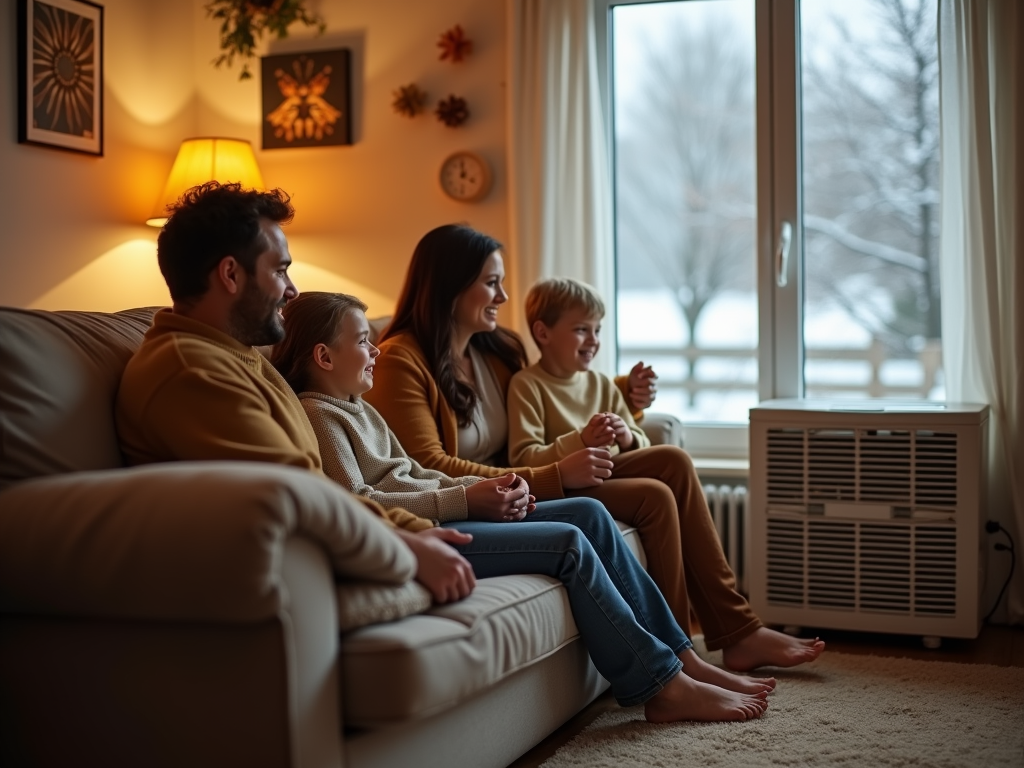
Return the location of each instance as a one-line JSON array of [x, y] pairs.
[[198, 389]]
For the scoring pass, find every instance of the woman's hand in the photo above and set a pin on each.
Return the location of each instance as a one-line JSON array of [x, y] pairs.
[[599, 431], [642, 389], [439, 568], [585, 468], [500, 499]]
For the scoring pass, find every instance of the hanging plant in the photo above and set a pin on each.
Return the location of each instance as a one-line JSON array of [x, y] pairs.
[[243, 23]]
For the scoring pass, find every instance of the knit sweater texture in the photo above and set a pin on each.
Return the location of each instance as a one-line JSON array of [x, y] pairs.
[[363, 455], [408, 398], [546, 413], [193, 393]]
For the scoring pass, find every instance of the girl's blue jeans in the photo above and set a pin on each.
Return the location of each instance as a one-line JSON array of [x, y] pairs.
[[628, 628]]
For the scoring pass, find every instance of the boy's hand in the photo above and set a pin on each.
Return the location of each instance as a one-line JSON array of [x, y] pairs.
[[623, 436], [585, 468], [500, 499], [642, 389], [598, 432], [442, 570]]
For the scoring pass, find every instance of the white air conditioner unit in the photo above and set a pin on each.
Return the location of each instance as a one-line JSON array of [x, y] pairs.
[[868, 516]]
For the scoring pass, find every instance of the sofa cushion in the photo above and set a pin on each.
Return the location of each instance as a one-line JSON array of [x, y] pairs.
[[425, 664], [59, 373]]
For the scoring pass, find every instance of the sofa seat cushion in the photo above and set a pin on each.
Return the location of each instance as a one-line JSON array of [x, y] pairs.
[[428, 663]]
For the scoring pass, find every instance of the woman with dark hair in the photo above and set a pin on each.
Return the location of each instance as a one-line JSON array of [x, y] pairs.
[[444, 370]]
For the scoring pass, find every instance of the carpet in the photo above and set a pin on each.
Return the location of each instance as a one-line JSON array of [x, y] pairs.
[[843, 709]]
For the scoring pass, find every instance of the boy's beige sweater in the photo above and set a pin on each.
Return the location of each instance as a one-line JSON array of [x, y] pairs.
[[547, 413]]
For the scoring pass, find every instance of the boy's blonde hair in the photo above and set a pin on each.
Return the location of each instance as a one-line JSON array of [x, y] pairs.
[[549, 299]]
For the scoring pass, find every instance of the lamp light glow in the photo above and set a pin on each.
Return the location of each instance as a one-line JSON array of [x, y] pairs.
[[207, 159]]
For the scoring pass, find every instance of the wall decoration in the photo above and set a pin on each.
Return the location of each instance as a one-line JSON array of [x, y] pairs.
[[60, 74], [465, 176], [408, 100], [243, 23], [452, 111], [454, 45], [306, 99]]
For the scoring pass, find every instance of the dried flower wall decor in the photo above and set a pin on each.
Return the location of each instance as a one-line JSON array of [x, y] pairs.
[[409, 100], [452, 111], [454, 45], [243, 23]]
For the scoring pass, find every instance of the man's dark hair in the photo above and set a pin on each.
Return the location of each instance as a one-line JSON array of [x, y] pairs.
[[209, 222]]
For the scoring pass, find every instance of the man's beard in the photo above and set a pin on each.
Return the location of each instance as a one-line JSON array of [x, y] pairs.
[[254, 320]]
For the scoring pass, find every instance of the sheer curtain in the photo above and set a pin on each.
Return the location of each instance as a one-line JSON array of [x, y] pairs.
[[559, 170], [982, 251]]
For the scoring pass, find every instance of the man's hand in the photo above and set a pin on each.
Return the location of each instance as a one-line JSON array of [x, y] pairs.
[[442, 570], [642, 389], [585, 468], [623, 436], [598, 432], [500, 500]]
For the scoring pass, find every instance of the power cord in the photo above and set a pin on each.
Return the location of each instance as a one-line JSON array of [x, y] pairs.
[[993, 526]]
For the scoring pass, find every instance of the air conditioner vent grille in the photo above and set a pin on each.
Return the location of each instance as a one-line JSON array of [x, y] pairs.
[[905, 468], [901, 568]]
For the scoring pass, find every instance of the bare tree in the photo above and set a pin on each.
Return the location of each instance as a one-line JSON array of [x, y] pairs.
[[685, 169], [871, 155]]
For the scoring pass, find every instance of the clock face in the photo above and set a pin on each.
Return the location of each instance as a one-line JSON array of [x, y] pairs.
[[465, 176]]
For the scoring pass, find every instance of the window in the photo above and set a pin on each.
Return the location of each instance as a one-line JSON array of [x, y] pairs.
[[739, 125]]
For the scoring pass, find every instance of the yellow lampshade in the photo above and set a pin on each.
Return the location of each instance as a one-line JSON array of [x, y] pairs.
[[203, 160]]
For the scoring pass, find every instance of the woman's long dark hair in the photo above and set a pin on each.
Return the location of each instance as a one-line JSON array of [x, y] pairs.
[[446, 262]]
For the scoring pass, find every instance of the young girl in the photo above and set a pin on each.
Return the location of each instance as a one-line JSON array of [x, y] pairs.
[[328, 359]]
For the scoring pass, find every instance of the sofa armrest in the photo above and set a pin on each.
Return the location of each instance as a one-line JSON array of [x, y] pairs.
[[662, 429], [181, 541]]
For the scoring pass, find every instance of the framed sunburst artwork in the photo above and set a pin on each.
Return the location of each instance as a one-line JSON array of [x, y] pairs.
[[60, 74]]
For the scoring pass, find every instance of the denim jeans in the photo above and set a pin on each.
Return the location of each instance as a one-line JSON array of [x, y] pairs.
[[622, 617]]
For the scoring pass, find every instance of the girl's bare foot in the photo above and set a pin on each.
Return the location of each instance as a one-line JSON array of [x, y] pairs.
[[694, 666], [684, 698], [766, 647]]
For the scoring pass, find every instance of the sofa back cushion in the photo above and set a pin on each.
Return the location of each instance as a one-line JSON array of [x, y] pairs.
[[59, 373]]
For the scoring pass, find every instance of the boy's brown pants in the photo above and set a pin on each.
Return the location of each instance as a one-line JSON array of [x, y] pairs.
[[656, 490]]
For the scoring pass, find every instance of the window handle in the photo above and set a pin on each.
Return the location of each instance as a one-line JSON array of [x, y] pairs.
[[782, 255]]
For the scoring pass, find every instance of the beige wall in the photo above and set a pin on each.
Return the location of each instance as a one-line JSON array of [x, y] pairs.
[[75, 237]]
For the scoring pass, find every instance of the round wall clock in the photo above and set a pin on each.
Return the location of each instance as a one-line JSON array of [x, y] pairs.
[[465, 176]]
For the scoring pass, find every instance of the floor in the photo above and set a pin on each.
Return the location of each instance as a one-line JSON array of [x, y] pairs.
[[1000, 646]]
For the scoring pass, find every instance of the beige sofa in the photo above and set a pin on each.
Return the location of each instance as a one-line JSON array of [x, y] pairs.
[[232, 614]]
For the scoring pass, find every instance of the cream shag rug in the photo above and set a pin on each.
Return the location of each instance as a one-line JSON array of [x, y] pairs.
[[842, 709]]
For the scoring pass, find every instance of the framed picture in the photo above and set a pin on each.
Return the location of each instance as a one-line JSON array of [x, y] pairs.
[[60, 74], [307, 99]]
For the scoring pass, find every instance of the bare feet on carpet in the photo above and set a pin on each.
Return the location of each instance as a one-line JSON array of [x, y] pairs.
[[698, 669], [769, 648], [684, 698]]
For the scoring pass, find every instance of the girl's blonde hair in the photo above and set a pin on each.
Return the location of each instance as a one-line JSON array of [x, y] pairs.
[[549, 299], [309, 319]]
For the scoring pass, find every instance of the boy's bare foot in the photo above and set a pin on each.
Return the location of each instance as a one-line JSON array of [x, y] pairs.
[[684, 698], [766, 647], [695, 667]]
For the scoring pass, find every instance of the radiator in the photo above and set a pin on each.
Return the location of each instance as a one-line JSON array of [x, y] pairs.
[[728, 505]]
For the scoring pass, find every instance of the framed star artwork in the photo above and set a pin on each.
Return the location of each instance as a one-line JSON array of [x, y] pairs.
[[307, 99], [60, 74]]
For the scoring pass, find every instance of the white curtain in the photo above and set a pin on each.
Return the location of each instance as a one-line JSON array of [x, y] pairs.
[[559, 175], [982, 249]]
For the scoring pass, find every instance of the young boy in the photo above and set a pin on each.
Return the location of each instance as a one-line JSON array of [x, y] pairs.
[[558, 405]]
